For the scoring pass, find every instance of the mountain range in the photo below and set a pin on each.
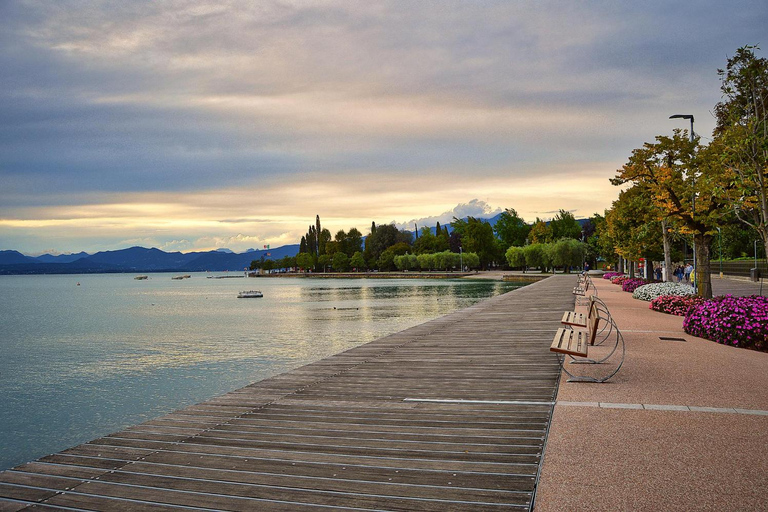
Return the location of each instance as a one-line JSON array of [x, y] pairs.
[[136, 259]]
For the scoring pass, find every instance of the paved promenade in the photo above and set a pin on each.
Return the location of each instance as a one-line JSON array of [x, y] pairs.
[[683, 425]]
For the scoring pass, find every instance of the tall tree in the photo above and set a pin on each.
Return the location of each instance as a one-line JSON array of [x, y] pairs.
[[741, 137], [675, 174], [540, 232], [511, 228], [565, 225]]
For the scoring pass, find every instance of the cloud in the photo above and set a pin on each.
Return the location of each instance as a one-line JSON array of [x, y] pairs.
[[474, 208], [191, 120]]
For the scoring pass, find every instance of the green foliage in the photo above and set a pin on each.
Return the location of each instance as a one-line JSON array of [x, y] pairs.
[[340, 262], [566, 253], [565, 225], [305, 261], [471, 260], [426, 261], [515, 257], [741, 138], [477, 236], [426, 242], [323, 262], [540, 233], [535, 256], [406, 262], [357, 261], [386, 261], [511, 229]]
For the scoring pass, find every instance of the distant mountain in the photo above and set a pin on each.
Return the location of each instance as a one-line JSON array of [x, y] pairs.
[[61, 258], [14, 258], [137, 259], [141, 259]]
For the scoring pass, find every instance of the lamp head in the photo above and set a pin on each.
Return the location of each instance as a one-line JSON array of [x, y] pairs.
[[682, 116]]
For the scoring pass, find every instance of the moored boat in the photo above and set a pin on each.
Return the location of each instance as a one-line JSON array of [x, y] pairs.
[[250, 294]]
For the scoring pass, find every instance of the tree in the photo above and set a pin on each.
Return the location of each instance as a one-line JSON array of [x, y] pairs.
[[675, 173], [305, 261], [322, 240], [741, 138], [358, 261], [323, 261], [511, 229], [425, 243], [354, 242], [477, 236], [566, 253], [516, 257], [470, 260], [340, 262], [633, 223], [565, 225], [540, 232], [535, 257], [426, 261], [406, 262]]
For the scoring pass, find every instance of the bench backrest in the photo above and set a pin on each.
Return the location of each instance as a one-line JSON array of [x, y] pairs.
[[592, 321]]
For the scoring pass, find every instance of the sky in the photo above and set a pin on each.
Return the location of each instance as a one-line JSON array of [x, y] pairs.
[[190, 125]]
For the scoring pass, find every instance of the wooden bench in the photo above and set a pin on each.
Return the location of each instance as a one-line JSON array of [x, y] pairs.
[[575, 343]]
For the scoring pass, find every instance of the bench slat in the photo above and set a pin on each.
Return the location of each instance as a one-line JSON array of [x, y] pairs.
[[568, 341], [574, 318]]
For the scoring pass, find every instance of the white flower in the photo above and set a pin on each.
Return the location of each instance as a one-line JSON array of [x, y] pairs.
[[648, 292]]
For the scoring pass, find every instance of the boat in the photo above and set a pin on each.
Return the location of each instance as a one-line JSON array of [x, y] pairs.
[[250, 294], [141, 278], [179, 278]]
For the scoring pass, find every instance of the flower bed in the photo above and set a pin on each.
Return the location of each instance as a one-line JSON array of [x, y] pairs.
[[675, 304], [609, 275], [630, 285], [652, 290], [734, 321], [619, 279]]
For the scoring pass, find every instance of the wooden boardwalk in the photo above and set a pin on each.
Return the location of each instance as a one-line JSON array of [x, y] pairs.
[[448, 415]]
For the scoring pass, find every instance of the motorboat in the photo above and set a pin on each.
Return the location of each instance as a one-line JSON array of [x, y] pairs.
[[250, 294]]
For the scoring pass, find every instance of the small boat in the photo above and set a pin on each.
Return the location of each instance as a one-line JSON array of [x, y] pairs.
[[250, 294], [179, 278], [141, 278]]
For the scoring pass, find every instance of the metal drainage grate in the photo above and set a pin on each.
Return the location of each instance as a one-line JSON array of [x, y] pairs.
[[666, 338]]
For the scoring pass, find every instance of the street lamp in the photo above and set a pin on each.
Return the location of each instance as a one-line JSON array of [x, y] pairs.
[[684, 116], [693, 200]]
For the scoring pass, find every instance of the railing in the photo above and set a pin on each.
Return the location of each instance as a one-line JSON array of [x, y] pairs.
[[739, 268]]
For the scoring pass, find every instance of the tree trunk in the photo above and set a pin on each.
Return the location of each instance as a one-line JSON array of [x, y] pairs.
[[620, 266], [703, 277], [667, 252]]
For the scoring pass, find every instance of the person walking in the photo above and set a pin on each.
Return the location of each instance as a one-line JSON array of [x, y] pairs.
[[688, 270]]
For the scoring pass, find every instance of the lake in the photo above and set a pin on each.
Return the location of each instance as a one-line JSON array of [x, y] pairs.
[[80, 361]]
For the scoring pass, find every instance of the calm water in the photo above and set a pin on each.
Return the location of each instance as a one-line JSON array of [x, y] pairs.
[[79, 362]]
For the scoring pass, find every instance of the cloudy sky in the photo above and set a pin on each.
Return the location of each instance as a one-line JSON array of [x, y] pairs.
[[189, 125]]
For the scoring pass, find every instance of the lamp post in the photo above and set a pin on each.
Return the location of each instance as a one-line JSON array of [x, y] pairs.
[[693, 199]]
